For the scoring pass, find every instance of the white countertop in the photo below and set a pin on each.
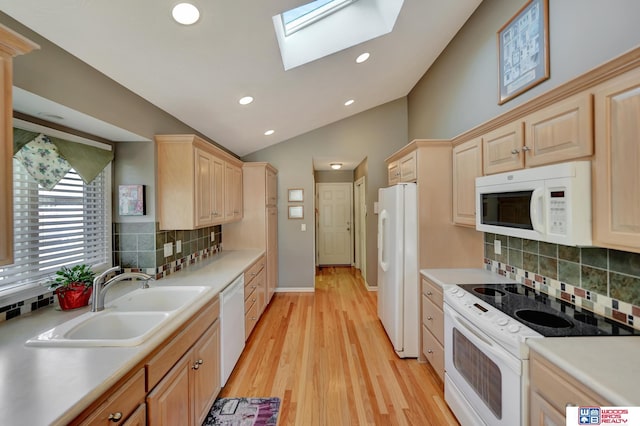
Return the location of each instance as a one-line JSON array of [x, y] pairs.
[[445, 276], [606, 364], [52, 385]]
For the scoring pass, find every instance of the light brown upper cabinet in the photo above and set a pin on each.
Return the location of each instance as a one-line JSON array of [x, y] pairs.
[[616, 172], [233, 188], [560, 132], [191, 190], [501, 149], [11, 44], [402, 170], [467, 166]]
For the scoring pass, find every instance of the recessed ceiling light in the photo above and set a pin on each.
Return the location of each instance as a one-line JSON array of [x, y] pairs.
[[246, 100], [336, 166], [269, 132], [185, 13], [349, 102], [360, 59]]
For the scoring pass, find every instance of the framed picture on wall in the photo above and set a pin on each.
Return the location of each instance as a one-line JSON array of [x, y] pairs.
[[131, 200], [296, 195], [523, 50], [296, 212]]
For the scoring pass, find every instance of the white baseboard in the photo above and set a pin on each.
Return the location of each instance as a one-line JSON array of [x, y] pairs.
[[369, 287], [295, 290]]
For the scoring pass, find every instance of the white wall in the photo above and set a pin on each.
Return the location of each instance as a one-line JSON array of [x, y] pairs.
[[460, 91], [376, 134]]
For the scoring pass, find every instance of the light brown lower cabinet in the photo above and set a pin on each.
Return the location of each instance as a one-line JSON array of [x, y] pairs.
[[186, 393], [551, 389], [179, 381], [433, 326]]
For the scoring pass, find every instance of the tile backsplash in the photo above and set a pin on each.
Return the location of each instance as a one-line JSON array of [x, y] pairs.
[[602, 280]]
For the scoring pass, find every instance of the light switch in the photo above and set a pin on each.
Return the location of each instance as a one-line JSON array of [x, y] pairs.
[[168, 249], [303, 227], [179, 246], [497, 246]]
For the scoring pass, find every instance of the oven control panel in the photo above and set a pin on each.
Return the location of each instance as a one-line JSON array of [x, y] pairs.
[[489, 320]]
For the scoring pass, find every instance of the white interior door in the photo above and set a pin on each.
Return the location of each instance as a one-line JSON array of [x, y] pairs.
[[335, 205]]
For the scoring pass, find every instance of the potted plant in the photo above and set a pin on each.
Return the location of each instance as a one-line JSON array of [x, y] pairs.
[[73, 286]]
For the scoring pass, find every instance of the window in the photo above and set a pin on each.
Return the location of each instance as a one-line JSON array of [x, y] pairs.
[[295, 19], [68, 225]]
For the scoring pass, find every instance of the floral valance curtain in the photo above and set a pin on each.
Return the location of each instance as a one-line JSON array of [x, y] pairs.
[[48, 159]]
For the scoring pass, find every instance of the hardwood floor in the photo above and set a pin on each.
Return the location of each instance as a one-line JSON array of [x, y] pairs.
[[328, 359]]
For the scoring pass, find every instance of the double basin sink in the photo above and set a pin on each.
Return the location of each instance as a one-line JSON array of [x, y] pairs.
[[127, 321]]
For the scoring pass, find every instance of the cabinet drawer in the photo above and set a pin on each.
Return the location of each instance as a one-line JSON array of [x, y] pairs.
[[433, 319], [121, 403], [162, 362], [433, 292], [253, 271], [433, 351], [250, 300], [250, 320], [558, 388]]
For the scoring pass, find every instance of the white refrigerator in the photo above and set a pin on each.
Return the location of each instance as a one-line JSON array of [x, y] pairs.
[[398, 295]]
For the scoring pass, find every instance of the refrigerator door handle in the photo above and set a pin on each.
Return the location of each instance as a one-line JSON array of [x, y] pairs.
[[382, 253]]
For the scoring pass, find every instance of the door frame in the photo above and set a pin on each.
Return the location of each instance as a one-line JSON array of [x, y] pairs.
[[317, 224], [360, 225]]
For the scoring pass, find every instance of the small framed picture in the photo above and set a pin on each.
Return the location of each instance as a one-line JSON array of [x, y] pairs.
[[131, 200], [296, 212], [296, 195]]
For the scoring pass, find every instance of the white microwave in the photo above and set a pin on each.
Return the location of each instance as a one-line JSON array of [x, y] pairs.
[[549, 203]]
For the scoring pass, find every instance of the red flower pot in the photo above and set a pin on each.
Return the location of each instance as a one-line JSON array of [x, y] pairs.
[[73, 296]]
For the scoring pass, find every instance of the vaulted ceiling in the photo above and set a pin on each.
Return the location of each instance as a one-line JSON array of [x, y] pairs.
[[198, 73]]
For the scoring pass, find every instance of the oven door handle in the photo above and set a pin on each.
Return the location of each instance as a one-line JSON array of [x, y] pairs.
[[484, 344]]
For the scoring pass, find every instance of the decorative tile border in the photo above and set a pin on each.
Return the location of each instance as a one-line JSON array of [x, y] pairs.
[[16, 309], [613, 309]]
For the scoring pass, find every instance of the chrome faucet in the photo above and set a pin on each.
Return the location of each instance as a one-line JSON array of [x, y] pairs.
[[100, 286]]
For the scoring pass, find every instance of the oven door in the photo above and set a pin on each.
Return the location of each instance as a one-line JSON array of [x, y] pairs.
[[484, 379]]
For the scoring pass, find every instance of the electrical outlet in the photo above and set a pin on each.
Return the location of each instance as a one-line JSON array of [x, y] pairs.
[[497, 246], [303, 227], [179, 246], [168, 249]]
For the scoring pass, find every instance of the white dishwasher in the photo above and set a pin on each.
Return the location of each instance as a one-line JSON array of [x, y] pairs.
[[231, 326]]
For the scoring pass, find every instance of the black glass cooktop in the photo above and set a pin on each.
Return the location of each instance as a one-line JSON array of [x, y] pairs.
[[545, 314]]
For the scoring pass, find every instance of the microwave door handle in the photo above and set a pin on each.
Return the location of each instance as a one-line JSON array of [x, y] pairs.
[[536, 210]]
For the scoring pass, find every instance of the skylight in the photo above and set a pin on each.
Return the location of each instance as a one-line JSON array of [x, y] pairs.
[[296, 19]]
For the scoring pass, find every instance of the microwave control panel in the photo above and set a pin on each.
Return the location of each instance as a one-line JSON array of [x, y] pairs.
[[558, 212]]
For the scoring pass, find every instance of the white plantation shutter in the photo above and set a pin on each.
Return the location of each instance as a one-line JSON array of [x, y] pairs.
[[67, 225]]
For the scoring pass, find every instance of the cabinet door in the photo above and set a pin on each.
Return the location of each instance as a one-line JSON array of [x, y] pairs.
[[541, 413], [169, 403], [233, 193], [408, 168], [467, 166], [616, 199], [502, 149], [204, 191], [205, 372], [218, 190], [272, 188], [138, 418], [272, 252], [393, 172], [561, 132]]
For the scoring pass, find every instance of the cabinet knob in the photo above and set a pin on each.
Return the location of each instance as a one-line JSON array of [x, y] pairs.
[[429, 293], [200, 362], [515, 151], [526, 148], [253, 318], [429, 351], [254, 299], [195, 365], [115, 417], [429, 318]]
